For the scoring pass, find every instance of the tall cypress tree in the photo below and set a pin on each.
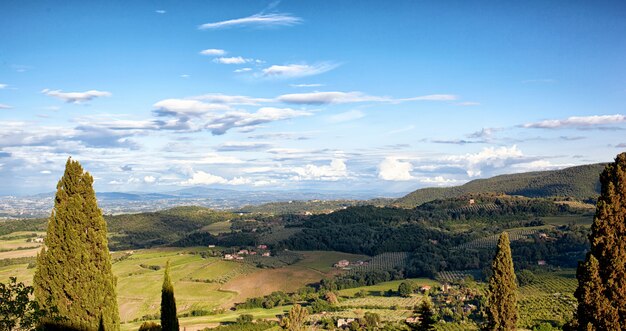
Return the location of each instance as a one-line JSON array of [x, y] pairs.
[[74, 268], [169, 320], [502, 294], [601, 292], [427, 316]]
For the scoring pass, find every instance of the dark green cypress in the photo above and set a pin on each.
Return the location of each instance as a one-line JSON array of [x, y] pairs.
[[502, 294], [169, 320], [74, 268], [427, 316], [601, 292]]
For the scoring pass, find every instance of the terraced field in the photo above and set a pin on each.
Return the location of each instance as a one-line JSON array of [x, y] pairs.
[[514, 235], [551, 298]]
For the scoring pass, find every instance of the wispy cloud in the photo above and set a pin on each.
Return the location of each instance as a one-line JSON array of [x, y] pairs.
[[232, 60], [578, 122], [231, 99], [298, 70], [257, 20], [243, 70], [186, 107], [239, 146], [306, 85], [346, 116], [334, 97], [3, 86], [213, 52], [468, 103], [3, 106], [241, 119], [205, 178], [76, 97], [160, 11]]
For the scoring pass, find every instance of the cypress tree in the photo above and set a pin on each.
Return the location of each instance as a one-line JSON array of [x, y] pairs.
[[169, 320], [601, 291], [74, 267], [502, 294], [427, 316]]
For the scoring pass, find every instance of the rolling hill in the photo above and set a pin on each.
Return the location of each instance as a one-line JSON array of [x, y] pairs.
[[580, 182]]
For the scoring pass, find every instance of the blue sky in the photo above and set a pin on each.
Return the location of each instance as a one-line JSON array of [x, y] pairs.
[[329, 95]]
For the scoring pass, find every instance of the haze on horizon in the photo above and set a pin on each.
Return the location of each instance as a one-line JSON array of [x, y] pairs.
[[352, 95]]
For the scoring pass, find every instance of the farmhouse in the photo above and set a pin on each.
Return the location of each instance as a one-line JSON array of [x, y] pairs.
[[425, 288], [262, 247], [344, 322], [342, 264], [211, 246], [243, 252], [266, 254], [228, 257], [38, 240], [541, 262]]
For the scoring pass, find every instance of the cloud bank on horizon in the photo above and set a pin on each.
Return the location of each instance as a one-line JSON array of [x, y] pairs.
[[290, 95]]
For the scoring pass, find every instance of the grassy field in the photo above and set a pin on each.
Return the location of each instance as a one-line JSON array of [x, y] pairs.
[[379, 289], [217, 228], [200, 283], [566, 220]]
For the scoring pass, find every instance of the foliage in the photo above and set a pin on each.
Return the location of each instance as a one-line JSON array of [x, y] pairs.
[[146, 230], [601, 292], [405, 289], [17, 310], [579, 182], [169, 320], [427, 316], [502, 300], [296, 318], [525, 277], [359, 279], [74, 269], [150, 326]]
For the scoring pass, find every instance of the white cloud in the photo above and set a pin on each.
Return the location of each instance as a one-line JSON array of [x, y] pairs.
[[76, 97], [241, 119], [432, 97], [578, 121], [231, 99], [149, 179], [539, 165], [233, 146], [45, 172], [184, 76], [260, 20], [335, 171], [335, 97], [211, 158], [3, 86], [242, 70], [306, 85], [232, 60], [186, 107], [3, 106], [391, 168], [323, 98], [438, 180], [160, 11], [213, 52], [489, 157], [346, 116], [205, 178], [298, 70]]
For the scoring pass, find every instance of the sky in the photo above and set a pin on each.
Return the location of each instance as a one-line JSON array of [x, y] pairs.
[[369, 96]]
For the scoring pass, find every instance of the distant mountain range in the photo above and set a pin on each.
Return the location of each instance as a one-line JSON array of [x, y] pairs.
[[580, 182]]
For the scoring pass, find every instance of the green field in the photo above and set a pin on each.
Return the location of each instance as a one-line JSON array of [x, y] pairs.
[[379, 289]]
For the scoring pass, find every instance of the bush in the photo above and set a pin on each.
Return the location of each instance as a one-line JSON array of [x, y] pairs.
[[150, 326]]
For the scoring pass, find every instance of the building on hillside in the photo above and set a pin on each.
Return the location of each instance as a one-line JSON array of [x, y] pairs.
[[445, 288], [211, 246], [342, 264], [472, 201], [243, 252], [344, 322], [38, 240], [266, 254], [262, 247], [412, 320], [228, 257], [425, 288], [541, 262], [252, 253]]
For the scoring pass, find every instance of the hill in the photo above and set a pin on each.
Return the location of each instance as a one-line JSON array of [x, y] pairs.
[[580, 182]]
